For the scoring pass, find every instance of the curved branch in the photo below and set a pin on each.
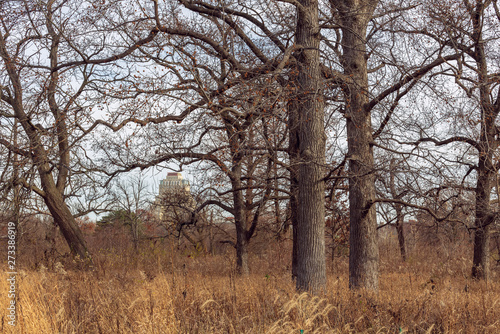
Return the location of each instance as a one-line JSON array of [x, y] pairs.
[[415, 76], [214, 202], [454, 139], [122, 55]]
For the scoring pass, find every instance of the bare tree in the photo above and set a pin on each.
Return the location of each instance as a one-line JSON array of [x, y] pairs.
[[393, 186], [131, 197], [374, 80], [470, 30], [311, 267], [222, 135], [30, 102], [222, 33], [354, 19], [46, 52]]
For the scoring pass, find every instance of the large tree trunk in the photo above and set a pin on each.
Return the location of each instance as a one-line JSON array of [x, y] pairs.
[[293, 153], [240, 221], [483, 220], [364, 253], [63, 217], [53, 195], [481, 263], [242, 267], [487, 145], [311, 264]]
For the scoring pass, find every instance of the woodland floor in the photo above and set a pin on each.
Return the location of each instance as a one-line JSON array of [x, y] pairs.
[[158, 290]]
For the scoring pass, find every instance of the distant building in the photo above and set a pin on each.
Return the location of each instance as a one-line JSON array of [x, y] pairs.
[[174, 200], [175, 182]]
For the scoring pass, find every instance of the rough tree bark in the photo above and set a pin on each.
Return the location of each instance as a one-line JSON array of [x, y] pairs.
[[364, 254], [311, 266], [487, 145], [293, 153], [483, 220]]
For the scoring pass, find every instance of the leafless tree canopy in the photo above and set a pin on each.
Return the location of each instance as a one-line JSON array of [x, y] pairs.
[[354, 114]]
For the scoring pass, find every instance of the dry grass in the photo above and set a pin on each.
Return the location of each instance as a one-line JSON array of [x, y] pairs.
[[160, 291]]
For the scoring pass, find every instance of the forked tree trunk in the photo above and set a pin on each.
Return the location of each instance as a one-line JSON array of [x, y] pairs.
[[311, 264], [63, 218], [364, 253], [52, 194]]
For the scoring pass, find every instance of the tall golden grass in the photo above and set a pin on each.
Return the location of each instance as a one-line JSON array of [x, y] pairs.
[[168, 291]]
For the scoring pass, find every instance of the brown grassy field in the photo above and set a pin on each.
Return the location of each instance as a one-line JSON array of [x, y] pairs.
[[164, 290]]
